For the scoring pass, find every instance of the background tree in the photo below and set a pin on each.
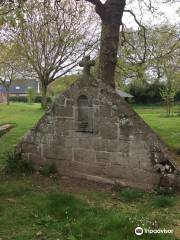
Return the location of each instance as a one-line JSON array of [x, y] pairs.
[[30, 95], [53, 36], [8, 67], [171, 72], [145, 65], [111, 13]]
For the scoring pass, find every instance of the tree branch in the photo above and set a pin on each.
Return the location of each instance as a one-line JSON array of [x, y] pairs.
[[144, 34], [99, 6]]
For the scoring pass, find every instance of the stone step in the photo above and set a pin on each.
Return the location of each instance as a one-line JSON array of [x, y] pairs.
[[5, 128]]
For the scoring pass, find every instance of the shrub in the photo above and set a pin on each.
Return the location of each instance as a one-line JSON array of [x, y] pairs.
[[18, 99], [48, 169], [14, 163], [130, 195], [164, 190], [177, 97], [163, 201], [37, 99], [146, 93], [30, 95]]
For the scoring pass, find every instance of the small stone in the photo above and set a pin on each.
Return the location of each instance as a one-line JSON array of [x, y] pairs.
[[167, 167], [114, 108], [39, 234]]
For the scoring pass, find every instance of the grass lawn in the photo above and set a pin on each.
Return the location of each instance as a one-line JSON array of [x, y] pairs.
[[29, 206], [167, 127], [23, 116], [35, 205]]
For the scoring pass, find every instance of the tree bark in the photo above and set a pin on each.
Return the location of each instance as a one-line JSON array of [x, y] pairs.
[[8, 100], [108, 52], [111, 15], [44, 97], [7, 92]]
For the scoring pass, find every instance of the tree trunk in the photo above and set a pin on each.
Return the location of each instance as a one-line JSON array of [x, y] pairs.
[[108, 52], [7, 92], [111, 15], [44, 97], [8, 100]]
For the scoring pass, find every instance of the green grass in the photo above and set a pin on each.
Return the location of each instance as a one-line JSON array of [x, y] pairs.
[[168, 128], [130, 195], [163, 201], [29, 205], [23, 117]]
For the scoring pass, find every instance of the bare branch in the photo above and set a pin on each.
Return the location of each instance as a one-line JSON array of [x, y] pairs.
[[99, 7], [144, 34]]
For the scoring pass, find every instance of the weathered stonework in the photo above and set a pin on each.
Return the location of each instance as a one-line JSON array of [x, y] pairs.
[[91, 132]]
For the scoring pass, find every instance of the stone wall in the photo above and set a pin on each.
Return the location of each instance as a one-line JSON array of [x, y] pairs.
[[91, 132]]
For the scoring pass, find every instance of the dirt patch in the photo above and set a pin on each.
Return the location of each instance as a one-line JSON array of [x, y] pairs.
[[69, 184], [80, 185]]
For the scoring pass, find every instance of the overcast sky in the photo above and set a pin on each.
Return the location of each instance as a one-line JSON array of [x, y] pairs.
[[167, 10]]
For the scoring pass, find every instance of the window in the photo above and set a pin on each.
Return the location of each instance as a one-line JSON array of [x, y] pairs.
[[18, 87]]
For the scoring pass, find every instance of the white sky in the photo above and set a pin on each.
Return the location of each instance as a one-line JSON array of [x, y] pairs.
[[168, 12]]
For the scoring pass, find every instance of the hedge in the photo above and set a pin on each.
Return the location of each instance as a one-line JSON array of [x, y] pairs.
[[24, 99]]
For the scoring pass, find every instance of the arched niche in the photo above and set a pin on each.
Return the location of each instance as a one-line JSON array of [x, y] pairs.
[[84, 114]]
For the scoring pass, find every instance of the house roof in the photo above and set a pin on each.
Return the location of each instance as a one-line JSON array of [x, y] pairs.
[[2, 89], [123, 94], [20, 87]]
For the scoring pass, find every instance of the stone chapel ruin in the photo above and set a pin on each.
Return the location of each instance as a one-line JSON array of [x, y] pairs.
[[90, 132]]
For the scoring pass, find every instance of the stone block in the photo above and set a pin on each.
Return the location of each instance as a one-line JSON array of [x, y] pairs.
[[85, 142], [138, 147], [100, 144], [29, 147], [64, 111], [117, 146], [69, 133], [105, 111], [30, 137], [69, 102], [118, 158], [119, 171], [46, 128], [59, 140], [88, 168], [108, 130], [71, 142], [57, 152], [63, 124], [134, 161], [103, 157], [60, 100], [139, 156], [37, 160], [84, 155], [146, 164], [47, 139]]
